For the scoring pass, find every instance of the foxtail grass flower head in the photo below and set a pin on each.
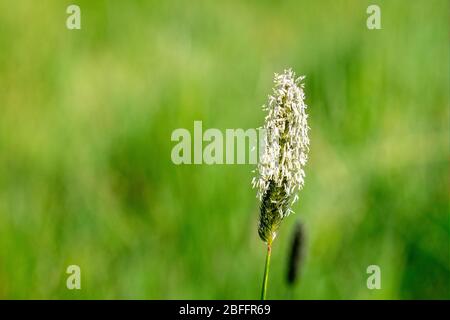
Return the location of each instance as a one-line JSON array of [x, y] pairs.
[[280, 173]]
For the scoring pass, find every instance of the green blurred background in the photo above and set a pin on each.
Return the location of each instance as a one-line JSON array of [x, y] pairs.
[[86, 176]]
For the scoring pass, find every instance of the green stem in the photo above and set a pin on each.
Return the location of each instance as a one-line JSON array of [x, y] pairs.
[[266, 272]]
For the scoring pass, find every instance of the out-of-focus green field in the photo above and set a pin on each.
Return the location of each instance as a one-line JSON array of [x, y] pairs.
[[86, 176]]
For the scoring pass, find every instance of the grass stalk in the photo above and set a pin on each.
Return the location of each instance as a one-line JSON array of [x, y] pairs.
[[266, 272]]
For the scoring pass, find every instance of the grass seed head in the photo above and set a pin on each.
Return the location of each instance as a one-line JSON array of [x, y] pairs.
[[280, 173]]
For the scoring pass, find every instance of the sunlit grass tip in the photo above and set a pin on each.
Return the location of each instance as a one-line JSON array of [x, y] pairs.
[[280, 171]]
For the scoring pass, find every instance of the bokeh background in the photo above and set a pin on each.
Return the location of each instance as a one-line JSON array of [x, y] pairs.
[[86, 176]]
